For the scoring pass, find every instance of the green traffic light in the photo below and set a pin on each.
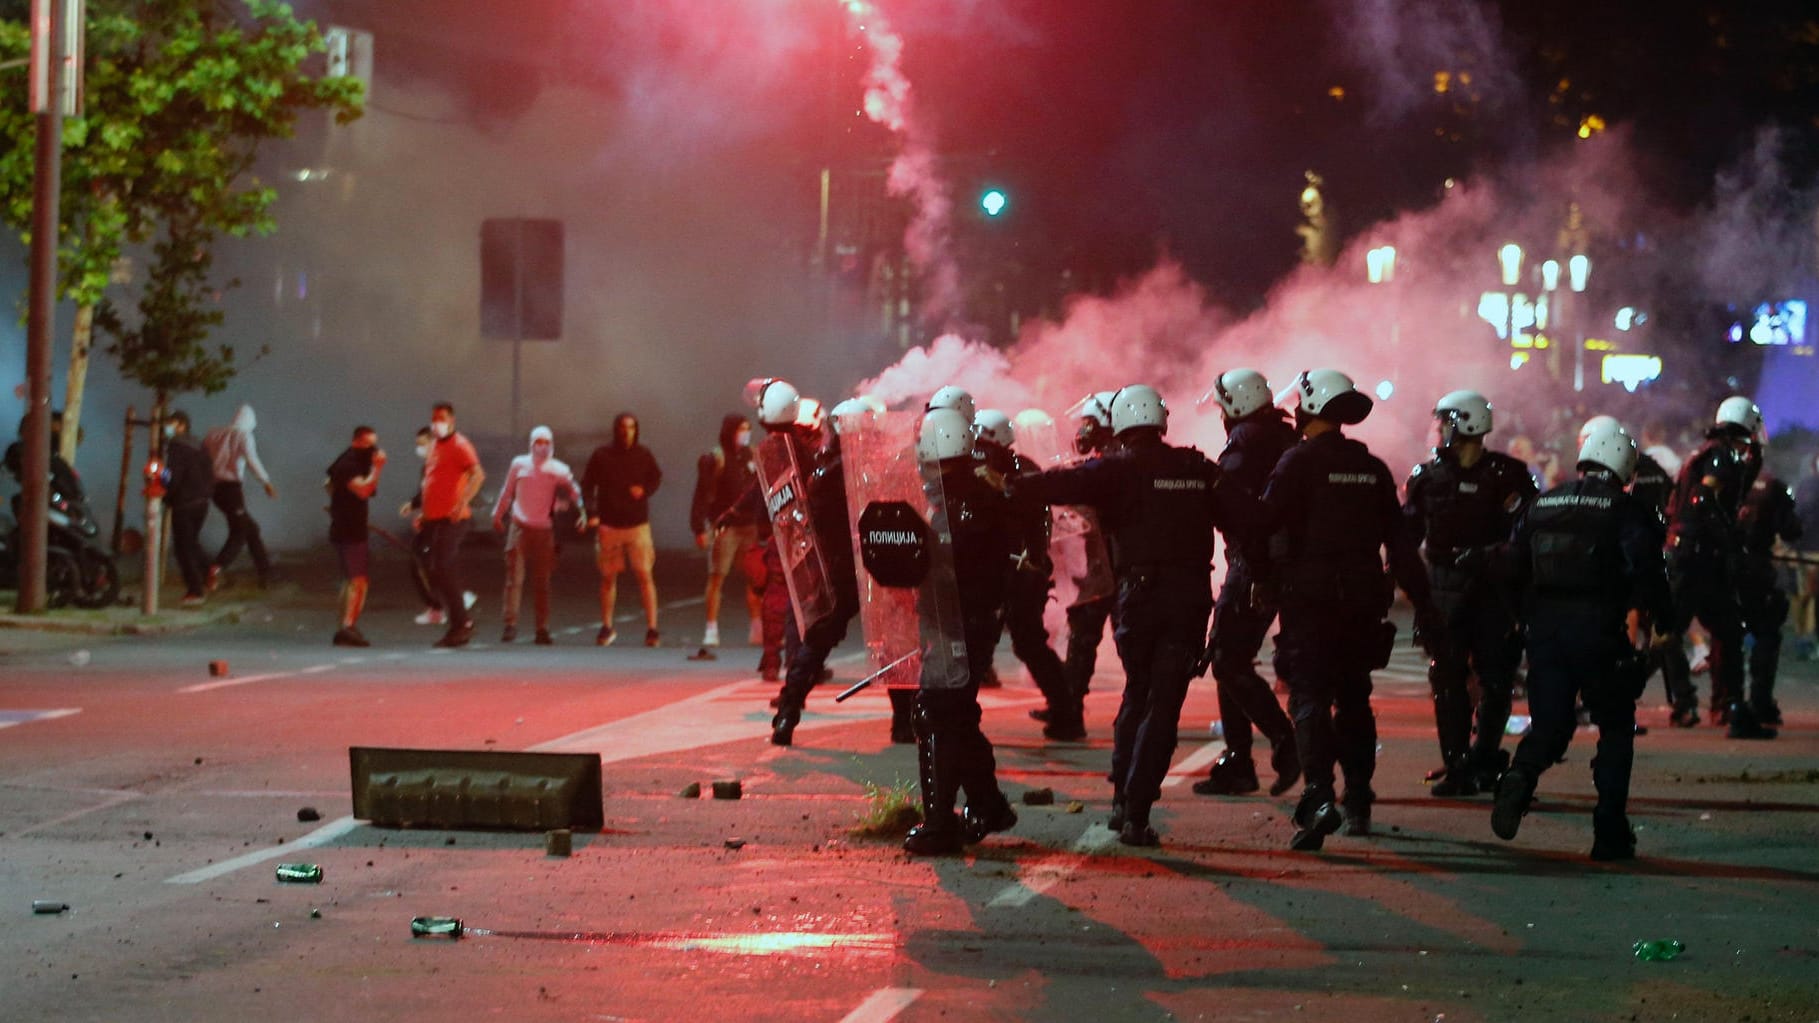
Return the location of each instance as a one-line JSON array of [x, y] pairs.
[[993, 202]]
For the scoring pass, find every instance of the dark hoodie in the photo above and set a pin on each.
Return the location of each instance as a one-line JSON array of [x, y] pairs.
[[612, 471], [723, 475]]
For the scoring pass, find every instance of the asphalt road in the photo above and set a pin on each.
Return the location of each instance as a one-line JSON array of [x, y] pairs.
[[157, 801]]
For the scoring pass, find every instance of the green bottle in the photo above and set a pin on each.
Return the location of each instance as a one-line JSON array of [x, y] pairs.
[[300, 873], [436, 927], [1657, 951]]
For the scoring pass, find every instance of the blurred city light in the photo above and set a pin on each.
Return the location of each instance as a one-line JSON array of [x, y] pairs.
[[1511, 258], [993, 202], [1385, 388], [1380, 264], [1550, 275], [1630, 370], [1578, 271]]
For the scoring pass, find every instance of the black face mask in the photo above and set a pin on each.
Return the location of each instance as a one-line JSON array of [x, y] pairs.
[[1090, 437]]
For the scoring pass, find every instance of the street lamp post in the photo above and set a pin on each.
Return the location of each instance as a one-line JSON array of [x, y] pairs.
[[1579, 272], [1380, 268]]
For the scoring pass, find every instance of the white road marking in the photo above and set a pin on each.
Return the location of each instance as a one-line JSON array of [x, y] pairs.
[[1192, 763], [9, 718], [113, 799], [691, 724], [1048, 871], [883, 1004], [203, 687], [321, 836]]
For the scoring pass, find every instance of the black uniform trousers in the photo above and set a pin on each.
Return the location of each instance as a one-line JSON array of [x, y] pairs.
[[1478, 634], [1239, 628], [1326, 652], [805, 651], [1024, 604], [1704, 588], [1085, 629], [439, 547], [1572, 658], [952, 750], [1160, 631], [1764, 606]]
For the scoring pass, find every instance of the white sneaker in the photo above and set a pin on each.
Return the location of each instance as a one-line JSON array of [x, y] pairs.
[[467, 599], [430, 616], [711, 635]]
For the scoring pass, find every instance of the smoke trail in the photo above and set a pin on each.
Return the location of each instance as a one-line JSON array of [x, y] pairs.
[[914, 174]]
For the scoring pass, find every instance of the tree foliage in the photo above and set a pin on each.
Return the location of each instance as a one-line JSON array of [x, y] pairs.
[[179, 96]]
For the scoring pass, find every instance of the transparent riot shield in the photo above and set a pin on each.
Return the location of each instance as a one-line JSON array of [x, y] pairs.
[[805, 570], [909, 601], [1083, 565]]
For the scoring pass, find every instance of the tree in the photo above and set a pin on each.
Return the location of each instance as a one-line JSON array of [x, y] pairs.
[[179, 95]]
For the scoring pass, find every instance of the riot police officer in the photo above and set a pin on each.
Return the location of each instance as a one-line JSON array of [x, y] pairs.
[[1333, 507], [1159, 505], [1587, 552], [1705, 550], [780, 411], [1462, 502], [952, 752], [1031, 582], [1652, 485], [1256, 435], [1768, 514], [1095, 595]]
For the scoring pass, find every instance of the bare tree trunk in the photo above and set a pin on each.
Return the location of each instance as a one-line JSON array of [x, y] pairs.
[[80, 339]]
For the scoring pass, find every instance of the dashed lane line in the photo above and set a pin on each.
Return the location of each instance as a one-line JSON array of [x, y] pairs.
[[321, 836], [1048, 871], [883, 1004]]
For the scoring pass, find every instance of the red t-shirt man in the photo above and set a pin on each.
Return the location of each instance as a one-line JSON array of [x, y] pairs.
[[445, 478]]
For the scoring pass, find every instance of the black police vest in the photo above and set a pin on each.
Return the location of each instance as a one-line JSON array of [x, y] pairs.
[[978, 520], [1335, 549], [1651, 485], [1168, 519], [1475, 507], [1703, 517], [1574, 541]]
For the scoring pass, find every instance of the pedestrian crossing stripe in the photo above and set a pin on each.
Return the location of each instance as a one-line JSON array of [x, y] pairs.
[[8, 718]]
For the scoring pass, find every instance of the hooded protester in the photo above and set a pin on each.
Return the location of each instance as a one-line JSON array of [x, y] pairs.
[[351, 481], [535, 486], [619, 481], [232, 451], [723, 525]]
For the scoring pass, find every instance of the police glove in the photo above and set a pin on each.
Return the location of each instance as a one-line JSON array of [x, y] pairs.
[[1471, 560]]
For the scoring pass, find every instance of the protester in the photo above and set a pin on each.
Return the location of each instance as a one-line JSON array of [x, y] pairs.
[[617, 486], [724, 527], [190, 479], [353, 478], [534, 485], [451, 478], [232, 450]]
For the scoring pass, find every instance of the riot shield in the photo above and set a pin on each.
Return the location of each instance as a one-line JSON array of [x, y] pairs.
[[1083, 565], [909, 601], [805, 570]]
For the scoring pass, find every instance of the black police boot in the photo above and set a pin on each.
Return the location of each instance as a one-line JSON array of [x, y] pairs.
[[1316, 817], [903, 711], [1232, 775], [1457, 781], [939, 834], [1515, 790], [1685, 716], [1487, 767], [1612, 840], [1767, 712], [1745, 726], [783, 726], [1285, 760], [1064, 726], [1357, 808], [1120, 813], [994, 817], [1136, 830]]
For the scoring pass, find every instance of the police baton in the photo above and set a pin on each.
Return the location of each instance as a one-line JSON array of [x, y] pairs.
[[873, 677]]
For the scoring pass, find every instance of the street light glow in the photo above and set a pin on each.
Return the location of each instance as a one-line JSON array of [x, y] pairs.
[[1578, 270], [1511, 258], [1380, 264], [993, 202]]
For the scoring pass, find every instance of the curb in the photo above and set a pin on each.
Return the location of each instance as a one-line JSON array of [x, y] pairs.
[[163, 623]]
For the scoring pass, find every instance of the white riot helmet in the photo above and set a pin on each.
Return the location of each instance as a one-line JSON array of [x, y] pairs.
[[1032, 419], [945, 434], [1138, 405], [1327, 394], [1239, 392], [872, 402], [1610, 447], [849, 407], [957, 398], [1740, 412], [1462, 414], [778, 403], [1598, 423], [995, 427]]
